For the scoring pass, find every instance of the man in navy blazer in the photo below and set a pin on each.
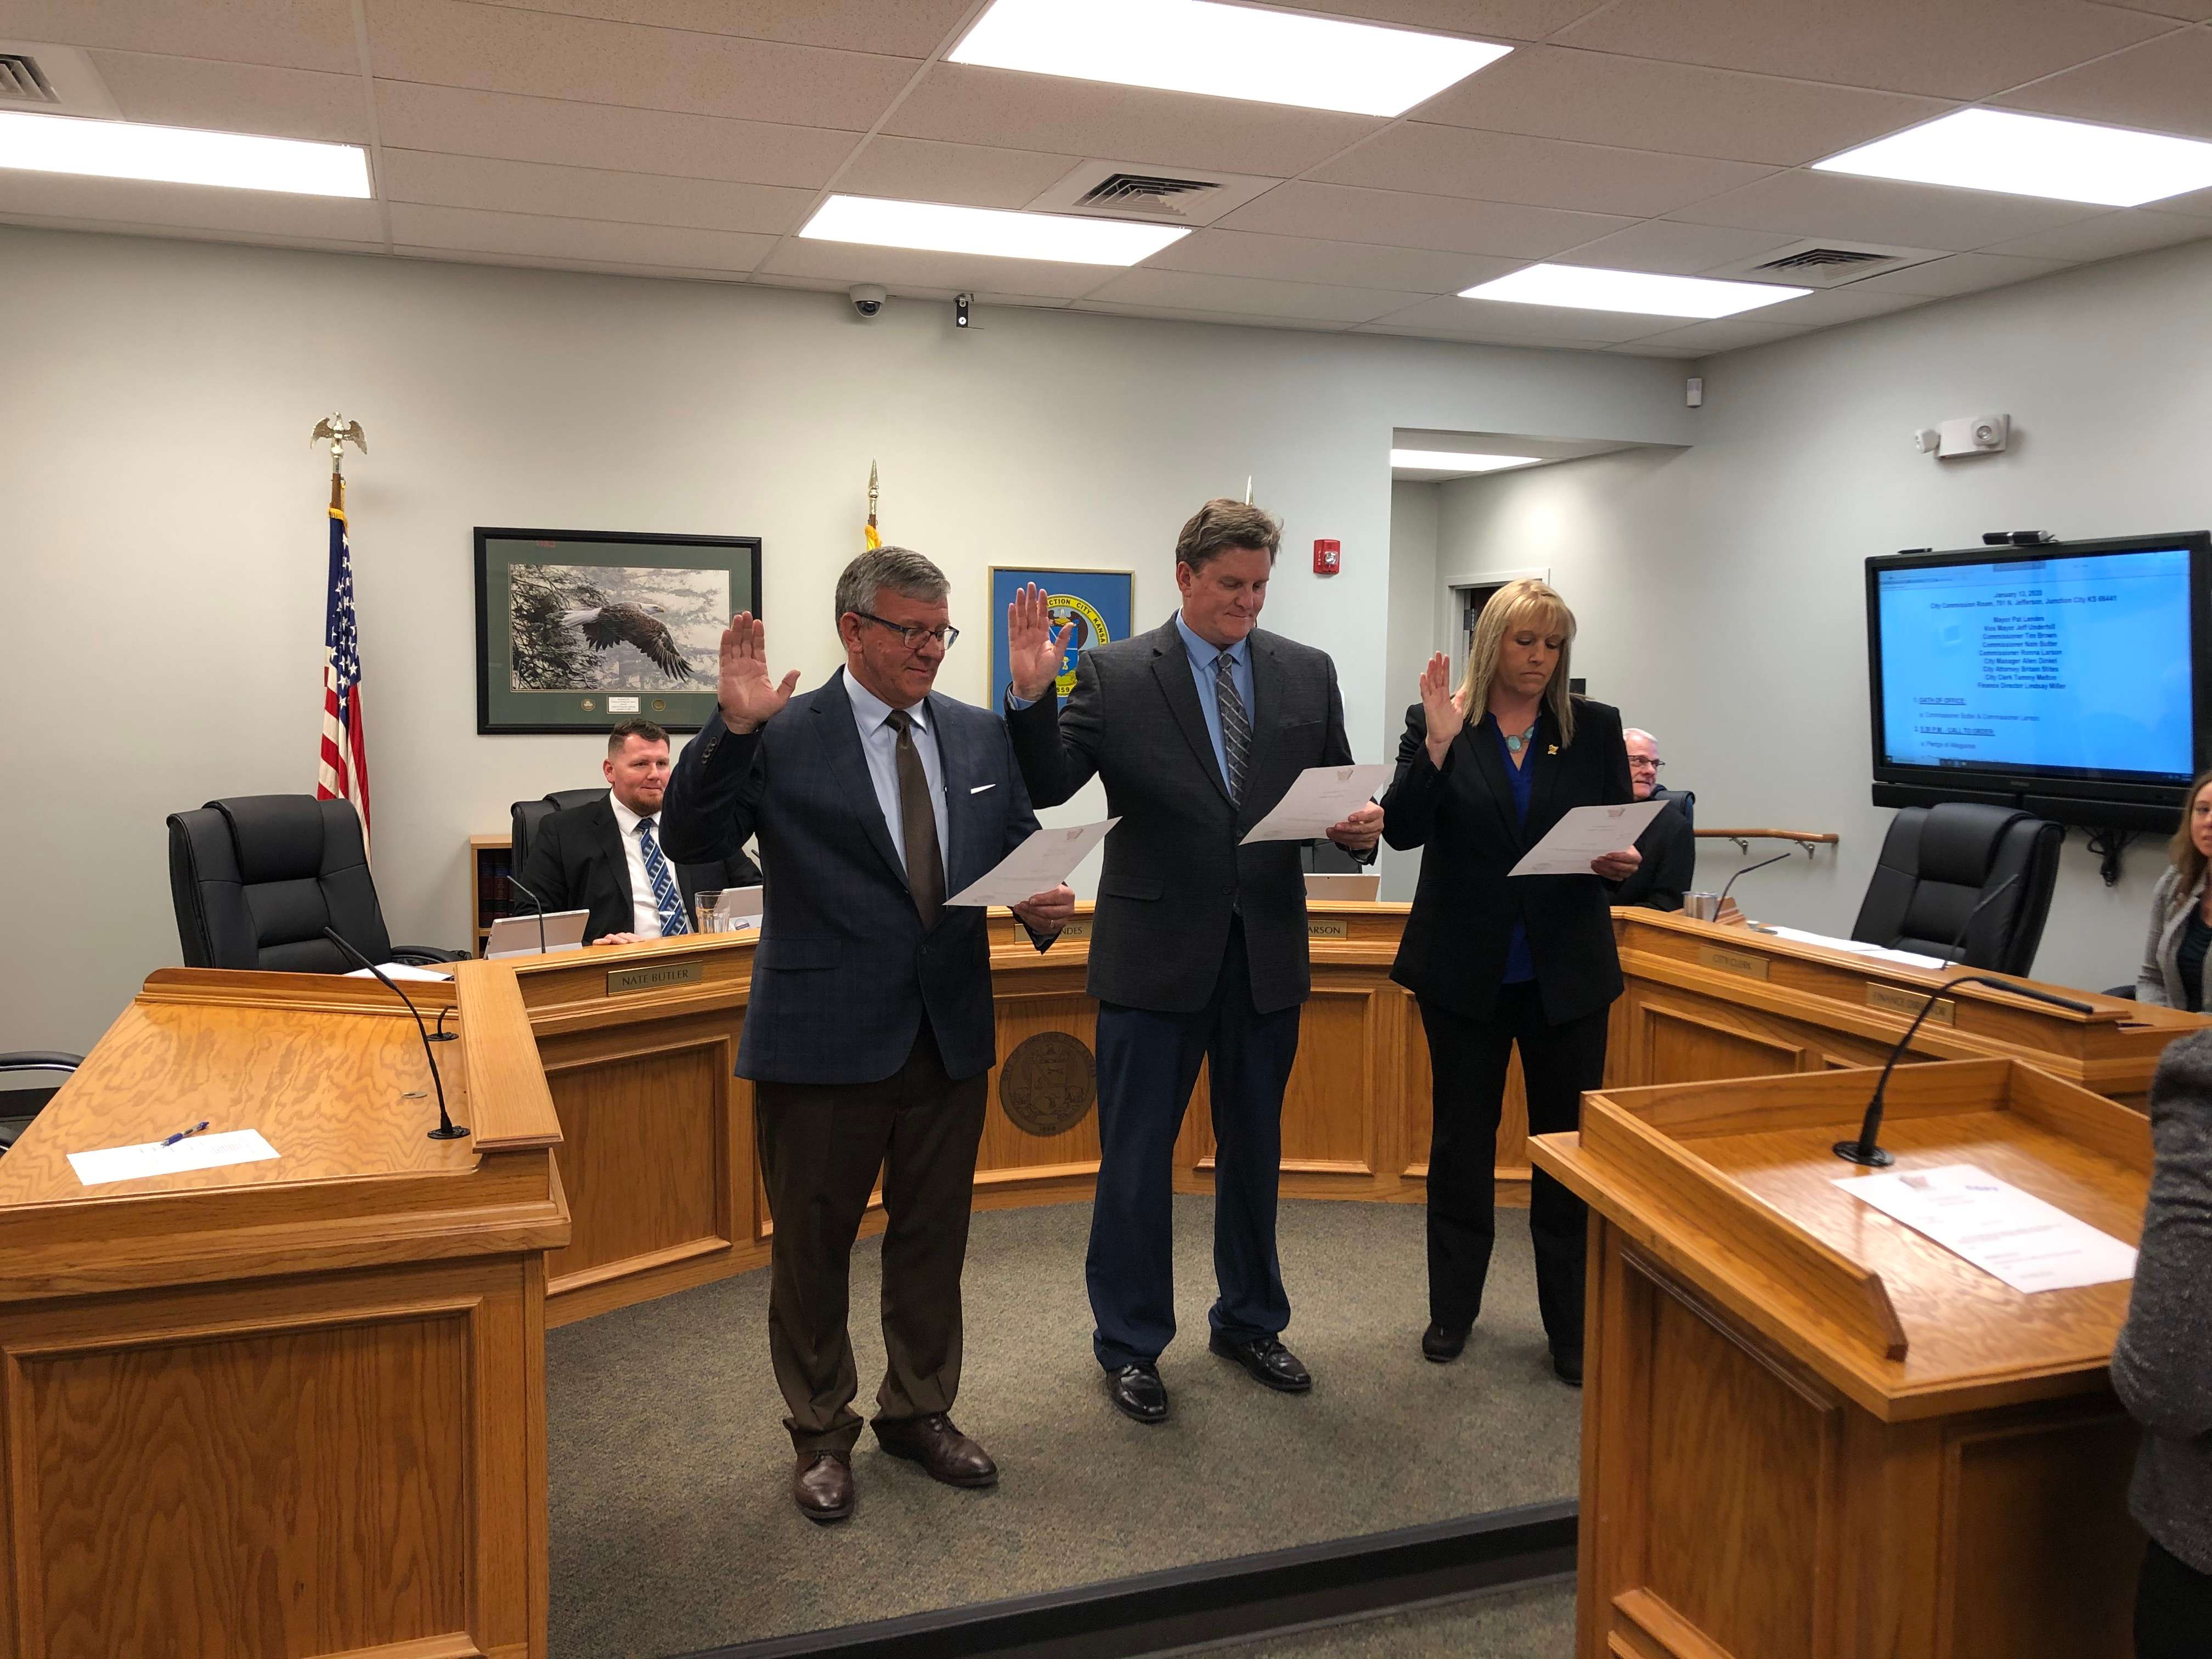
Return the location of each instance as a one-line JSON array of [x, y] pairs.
[[869, 1036]]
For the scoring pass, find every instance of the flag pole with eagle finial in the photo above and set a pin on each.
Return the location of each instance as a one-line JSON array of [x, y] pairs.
[[873, 538], [341, 766]]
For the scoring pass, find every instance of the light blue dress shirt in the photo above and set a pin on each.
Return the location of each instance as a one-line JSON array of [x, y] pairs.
[[880, 744], [1202, 653]]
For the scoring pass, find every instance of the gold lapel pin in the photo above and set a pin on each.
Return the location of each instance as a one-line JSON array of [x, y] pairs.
[[1553, 750]]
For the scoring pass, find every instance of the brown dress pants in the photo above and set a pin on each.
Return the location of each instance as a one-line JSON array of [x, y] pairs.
[[821, 1147]]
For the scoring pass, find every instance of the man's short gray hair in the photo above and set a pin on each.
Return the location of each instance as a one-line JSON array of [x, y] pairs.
[[900, 569], [1639, 731]]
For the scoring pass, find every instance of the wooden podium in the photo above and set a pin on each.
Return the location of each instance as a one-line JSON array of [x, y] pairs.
[[292, 1407], [1812, 1433]]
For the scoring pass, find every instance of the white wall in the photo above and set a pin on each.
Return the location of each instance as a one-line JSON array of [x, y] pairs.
[[1414, 509], [1719, 590], [163, 539]]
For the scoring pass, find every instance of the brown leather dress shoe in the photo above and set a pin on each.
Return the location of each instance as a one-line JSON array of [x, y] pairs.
[[821, 1485], [948, 1455]]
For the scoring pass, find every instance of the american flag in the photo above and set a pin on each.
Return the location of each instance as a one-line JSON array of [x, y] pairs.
[[343, 774]]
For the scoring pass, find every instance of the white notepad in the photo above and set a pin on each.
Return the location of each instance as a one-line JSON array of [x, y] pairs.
[[97, 1169]]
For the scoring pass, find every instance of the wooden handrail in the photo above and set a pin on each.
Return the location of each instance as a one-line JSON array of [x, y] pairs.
[[1802, 837]]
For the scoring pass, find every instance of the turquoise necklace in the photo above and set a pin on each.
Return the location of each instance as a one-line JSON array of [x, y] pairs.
[[1516, 744]]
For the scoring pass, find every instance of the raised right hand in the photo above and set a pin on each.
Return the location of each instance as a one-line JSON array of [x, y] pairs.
[[748, 698], [1034, 652], [1439, 708]]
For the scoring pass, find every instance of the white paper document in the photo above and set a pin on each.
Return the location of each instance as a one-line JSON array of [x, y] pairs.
[[1037, 865], [1856, 947], [2029, 1244], [1320, 798], [400, 970], [1585, 833], [96, 1169]]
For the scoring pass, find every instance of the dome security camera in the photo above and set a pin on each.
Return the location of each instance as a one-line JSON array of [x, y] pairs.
[[868, 300]]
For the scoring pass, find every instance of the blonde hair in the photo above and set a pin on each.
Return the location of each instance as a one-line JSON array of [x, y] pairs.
[[1511, 605], [2181, 852]]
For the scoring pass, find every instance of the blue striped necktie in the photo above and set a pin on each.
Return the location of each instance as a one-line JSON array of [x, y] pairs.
[[1236, 725], [665, 899]]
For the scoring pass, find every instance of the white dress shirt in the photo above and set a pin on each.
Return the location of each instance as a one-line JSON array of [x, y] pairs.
[[645, 913], [880, 744]]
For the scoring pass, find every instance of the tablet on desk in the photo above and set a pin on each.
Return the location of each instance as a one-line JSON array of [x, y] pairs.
[[1358, 889], [517, 936]]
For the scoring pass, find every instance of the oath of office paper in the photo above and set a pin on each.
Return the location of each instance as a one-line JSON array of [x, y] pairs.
[[1320, 798], [1584, 833], [1040, 864]]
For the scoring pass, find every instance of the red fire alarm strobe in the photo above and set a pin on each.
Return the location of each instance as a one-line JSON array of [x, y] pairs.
[[1328, 558]]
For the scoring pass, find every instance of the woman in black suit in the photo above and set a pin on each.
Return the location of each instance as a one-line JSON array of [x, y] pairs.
[[1496, 961]]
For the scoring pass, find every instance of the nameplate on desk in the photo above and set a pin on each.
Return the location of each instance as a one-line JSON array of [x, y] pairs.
[[1076, 930], [1328, 927], [620, 980], [1893, 1000], [1752, 966]]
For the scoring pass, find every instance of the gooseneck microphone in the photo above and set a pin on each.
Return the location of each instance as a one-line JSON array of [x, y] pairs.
[[1749, 868], [1987, 899], [446, 1129], [1865, 1151], [537, 904]]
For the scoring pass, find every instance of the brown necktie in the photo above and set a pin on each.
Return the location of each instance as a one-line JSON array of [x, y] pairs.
[[925, 866]]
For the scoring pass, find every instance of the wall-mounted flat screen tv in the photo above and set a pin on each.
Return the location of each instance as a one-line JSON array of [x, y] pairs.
[[2071, 678]]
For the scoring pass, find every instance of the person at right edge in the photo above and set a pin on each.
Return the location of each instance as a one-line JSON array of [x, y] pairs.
[[1497, 960], [2162, 1362]]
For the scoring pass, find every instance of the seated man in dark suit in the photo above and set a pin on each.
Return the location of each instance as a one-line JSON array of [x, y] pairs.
[[1668, 845], [606, 856]]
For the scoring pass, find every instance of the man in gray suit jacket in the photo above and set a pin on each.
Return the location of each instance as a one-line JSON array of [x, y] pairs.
[[869, 1035], [1197, 950]]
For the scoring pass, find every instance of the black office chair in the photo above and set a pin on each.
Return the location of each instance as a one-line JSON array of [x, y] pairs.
[[1938, 863], [257, 878], [527, 815], [1686, 803], [19, 1106]]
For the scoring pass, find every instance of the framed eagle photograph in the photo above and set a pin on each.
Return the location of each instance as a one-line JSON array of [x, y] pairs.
[[577, 629]]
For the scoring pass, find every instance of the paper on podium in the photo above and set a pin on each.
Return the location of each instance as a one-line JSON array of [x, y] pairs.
[[1038, 865], [1320, 798], [2028, 1244], [152, 1159], [1586, 833]]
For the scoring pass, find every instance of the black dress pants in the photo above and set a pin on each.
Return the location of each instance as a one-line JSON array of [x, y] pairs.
[[821, 1147], [2173, 1607], [1468, 1060]]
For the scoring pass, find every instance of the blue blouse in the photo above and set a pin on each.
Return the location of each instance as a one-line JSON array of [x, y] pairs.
[[1520, 966]]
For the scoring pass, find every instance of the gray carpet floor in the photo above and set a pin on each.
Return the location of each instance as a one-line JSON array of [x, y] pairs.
[[1537, 1622], [672, 1527]]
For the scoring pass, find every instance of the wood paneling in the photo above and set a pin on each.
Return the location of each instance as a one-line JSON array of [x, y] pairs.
[[1676, 1046]]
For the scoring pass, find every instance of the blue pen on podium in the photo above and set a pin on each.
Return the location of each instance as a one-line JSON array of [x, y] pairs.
[[183, 1134]]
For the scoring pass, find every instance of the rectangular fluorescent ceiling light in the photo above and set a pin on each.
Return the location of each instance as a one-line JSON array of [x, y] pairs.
[[179, 156], [1586, 288], [2035, 155], [1451, 460], [1224, 52], [935, 227]]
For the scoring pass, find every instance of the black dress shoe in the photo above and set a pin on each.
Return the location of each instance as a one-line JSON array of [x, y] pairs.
[[821, 1485], [1442, 1343], [1138, 1392], [1265, 1359], [1567, 1364], [933, 1443]]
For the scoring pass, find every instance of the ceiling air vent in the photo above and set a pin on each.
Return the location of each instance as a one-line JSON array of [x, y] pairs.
[[1121, 190], [22, 81], [1826, 264]]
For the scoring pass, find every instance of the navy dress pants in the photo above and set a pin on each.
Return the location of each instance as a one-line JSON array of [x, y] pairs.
[[1147, 1064]]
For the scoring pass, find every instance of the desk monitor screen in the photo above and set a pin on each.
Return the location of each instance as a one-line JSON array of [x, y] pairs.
[[2069, 672], [517, 936]]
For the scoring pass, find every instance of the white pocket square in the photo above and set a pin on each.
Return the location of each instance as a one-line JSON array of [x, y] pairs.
[[981, 787]]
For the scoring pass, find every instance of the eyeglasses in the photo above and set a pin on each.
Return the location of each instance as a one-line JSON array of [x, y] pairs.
[[913, 633], [1636, 763]]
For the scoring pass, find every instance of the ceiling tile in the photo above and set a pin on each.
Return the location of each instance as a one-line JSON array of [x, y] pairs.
[[521, 129], [1505, 20], [1400, 219], [497, 49], [1500, 167], [1722, 334], [1960, 273], [507, 261], [909, 29], [984, 298], [1497, 319], [961, 103], [1642, 104], [310, 34], [474, 181], [1247, 295], [974, 175], [1835, 205], [191, 206], [2131, 230], [1958, 49], [198, 92], [1847, 304], [1302, 259], [2160, 87], [1184, 314], [908, 270], [1674, 249], [413, 225]]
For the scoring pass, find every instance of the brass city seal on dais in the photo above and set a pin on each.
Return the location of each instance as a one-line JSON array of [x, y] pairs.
[[1048, 1084]]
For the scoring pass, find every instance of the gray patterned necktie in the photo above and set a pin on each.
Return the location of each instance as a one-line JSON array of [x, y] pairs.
[[1236, 724]]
